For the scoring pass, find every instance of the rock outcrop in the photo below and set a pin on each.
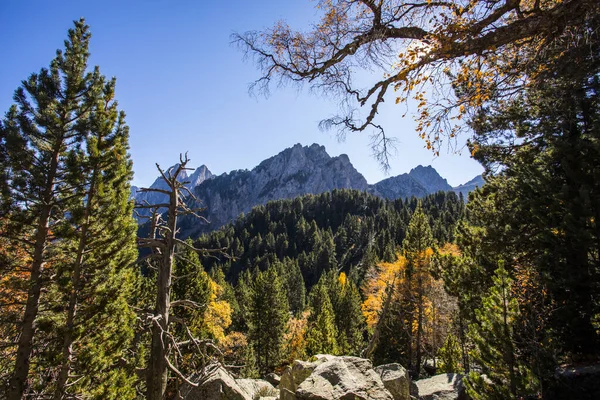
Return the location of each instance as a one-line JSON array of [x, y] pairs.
[[400, 186], [296, 171], [220, 385], [441, 387], [256, 388], [273, 379], [430, 179], [332, 378], [293, 172], [468, 187], [396, 380]]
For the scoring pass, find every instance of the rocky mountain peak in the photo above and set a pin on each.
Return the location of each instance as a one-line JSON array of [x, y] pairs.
[[429, 178], [201, 174], [295, 171]]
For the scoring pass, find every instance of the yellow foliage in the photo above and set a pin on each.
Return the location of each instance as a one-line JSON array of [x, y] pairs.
[[450, 249], [217, 315], [217, 318], [342, 279], [234, 347], [378, 279], [295, 338]]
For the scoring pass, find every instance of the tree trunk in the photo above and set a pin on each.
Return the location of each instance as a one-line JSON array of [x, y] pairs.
[[67, 352], [21, 370], [419, 324], [463, 345], [158, 372]]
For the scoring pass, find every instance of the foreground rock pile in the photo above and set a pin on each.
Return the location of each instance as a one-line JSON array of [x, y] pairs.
[[329, 378]]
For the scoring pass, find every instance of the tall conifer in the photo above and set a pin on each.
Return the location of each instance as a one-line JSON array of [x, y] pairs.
[[322, 332], [496, 351], [268, 313], [97, 282], [416, 246], [50, 118]]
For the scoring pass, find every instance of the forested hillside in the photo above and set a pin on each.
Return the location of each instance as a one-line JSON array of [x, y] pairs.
[[342, 230], [503, 293]]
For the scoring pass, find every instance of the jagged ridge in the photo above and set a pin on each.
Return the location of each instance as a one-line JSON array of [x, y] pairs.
[[296, 171]]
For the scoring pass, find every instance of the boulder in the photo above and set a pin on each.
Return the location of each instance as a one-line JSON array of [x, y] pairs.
[[217, 385], [273, 379], [395, 379], [345, 378], [580, 382], [293, 376], [256, 388], [441, 387]]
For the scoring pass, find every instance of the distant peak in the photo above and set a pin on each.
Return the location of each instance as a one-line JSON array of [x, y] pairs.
[[344, 157], [420, 168]]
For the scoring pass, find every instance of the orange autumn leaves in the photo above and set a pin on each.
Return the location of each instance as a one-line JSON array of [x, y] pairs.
[[379, 278], [387, 274]]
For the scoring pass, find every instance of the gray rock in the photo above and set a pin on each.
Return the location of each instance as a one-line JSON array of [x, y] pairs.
[[429, 178], [468, 187], [198, 176], [399, 187], [296, 171], [350, 378], [256, 388], [293, 376], [395, 379], [441, 387], [218, 385], [273, 379]]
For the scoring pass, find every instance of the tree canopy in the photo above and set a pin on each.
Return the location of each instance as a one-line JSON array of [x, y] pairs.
[[449, 56]]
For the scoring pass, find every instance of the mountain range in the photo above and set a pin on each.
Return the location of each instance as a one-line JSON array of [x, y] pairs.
[[294, 172]]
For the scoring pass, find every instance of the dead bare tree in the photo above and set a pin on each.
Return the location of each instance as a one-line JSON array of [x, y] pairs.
[[162, 242]]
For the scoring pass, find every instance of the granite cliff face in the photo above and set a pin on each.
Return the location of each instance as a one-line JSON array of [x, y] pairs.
[[192, 181], [473, 184], [399, 186], [429, 178], [419, 182], [294, 172]]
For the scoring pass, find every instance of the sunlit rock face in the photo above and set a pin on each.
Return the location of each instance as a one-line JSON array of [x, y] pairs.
[[296, 171]]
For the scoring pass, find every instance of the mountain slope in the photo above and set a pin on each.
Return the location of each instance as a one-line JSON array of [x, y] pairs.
[[473, 184], [295, 171], [196, 178]]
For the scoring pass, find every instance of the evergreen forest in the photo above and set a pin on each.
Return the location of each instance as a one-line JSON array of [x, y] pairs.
[[502, 288]]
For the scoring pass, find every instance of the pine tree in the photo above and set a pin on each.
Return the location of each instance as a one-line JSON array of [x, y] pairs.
[[294, 286], [191, 283], [496, 353], [268, 313], [49, 121], [243, 292], [97, 283], [322, 333], [417, 250], [349, 318], [450, 355]]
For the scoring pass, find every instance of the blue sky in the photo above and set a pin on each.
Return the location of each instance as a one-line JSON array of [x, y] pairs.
[[184, 87]]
